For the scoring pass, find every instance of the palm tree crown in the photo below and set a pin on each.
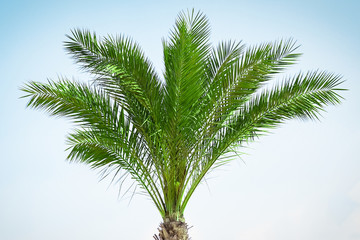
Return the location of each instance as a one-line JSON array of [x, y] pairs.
[[167, 133]]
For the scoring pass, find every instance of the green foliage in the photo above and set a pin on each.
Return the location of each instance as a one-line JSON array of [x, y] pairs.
[[169, 134]]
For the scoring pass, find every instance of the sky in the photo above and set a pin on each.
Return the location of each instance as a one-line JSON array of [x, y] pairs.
[[302, 181]]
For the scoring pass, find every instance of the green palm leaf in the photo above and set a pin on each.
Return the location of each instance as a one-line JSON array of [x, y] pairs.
[[168, 135]]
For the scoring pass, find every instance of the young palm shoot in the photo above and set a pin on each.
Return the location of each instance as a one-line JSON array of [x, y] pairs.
[[167, 133]]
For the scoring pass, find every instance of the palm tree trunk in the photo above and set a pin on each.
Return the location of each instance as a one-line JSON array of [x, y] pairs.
[[172, 230]]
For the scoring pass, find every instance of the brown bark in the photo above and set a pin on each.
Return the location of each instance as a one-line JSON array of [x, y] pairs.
[[173, 230]]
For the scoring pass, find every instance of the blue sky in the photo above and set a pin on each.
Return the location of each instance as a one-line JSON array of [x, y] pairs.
[[301, 182]]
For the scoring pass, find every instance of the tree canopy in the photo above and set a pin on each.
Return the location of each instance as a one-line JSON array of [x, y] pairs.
[[167, 132]]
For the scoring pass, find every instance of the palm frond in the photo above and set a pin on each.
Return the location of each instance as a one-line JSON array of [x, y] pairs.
[[127, 152], [107, 137], [121, 70], [303, 96], [84, 105]]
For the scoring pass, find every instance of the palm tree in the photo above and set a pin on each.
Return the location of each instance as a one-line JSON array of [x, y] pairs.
[[168, 133]]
